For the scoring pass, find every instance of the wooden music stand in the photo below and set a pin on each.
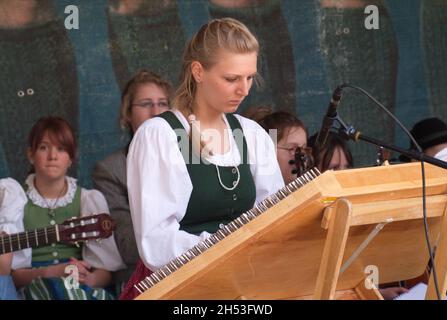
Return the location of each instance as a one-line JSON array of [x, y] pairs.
[[324, 237]]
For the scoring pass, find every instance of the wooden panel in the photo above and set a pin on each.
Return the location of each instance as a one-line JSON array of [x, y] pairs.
[[440, 265], [278, 254], [370, 293], [333, 251]]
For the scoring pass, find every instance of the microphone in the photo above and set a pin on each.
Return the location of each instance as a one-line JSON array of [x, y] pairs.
[[329, 118]]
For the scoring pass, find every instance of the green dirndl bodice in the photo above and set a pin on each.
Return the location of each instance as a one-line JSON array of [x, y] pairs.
[[210, 204], [61, 288]]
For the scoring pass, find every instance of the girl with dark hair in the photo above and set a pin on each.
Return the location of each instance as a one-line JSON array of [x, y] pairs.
[[291, 134], [53, 197], [335, 155]]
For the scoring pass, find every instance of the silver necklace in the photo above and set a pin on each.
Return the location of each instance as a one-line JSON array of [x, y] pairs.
[[52, 208], [192, 120], [235, 183]]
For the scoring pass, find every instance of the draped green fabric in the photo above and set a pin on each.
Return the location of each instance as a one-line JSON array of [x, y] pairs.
[[367, 59], [275, 62], [151, 42], [37, 78], [434, 40]]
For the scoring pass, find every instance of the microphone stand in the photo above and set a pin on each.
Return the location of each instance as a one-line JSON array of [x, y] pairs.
[[349, 132]]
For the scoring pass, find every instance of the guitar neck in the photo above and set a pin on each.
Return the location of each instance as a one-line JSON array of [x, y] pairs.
[[29, 239]]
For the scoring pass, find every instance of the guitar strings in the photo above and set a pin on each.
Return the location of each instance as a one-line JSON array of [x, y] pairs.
[[31, 235], [22, 236]]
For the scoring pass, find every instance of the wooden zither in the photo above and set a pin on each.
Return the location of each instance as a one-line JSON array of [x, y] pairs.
[[321, 233]]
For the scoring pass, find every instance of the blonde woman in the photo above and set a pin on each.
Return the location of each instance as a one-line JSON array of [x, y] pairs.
[[189, 170]]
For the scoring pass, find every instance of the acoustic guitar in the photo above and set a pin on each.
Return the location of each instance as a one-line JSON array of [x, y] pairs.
[[71, 231]]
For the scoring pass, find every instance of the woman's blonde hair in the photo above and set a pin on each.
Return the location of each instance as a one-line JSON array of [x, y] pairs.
[[225, 33], [141, 77]]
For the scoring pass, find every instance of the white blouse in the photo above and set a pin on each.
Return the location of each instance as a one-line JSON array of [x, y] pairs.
[[102, 255], [12, 202], [159, 185], [442, 155]]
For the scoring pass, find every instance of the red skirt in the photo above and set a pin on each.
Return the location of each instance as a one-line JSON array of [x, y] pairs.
[[141, 272]]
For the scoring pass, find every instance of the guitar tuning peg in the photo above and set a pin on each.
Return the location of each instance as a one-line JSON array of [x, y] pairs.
[[77, 244]]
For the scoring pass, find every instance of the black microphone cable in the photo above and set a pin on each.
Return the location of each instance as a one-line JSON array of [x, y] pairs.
[[424, 204]]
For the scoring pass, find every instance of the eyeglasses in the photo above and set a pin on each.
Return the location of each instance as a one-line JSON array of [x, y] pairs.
[[292, 149], [151, 104]]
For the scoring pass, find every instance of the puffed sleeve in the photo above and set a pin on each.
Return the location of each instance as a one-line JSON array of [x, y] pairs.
[[159, 189], [264, 165], [103, 254], [12, 202]]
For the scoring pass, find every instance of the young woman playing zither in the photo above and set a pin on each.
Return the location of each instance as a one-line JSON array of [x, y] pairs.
[[178, 198]]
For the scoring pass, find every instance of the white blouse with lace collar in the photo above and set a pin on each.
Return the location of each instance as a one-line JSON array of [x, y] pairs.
[[42, 202]]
